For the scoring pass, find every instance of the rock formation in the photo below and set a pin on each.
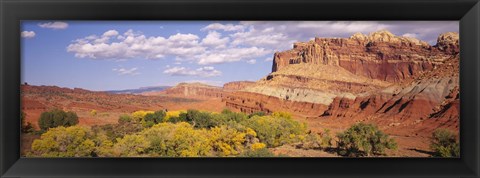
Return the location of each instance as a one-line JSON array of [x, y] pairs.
[[194, 90], [379, 55], [237, 85], [396, 82]]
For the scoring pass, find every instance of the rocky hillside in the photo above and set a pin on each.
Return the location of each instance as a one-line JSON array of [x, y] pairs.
[[391, 80], [190, 90], [237, 85]]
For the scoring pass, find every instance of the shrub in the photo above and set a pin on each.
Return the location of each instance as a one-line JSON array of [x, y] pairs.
[[282, 115], [124, 119], [276, 130], [22, 118], [114, 131], [93, 112], [261, 113], [138, 116], [25, 127], [234, 116], [72, 141], [56, 117], [445, 144], [364, 140], [316, 141], [257, 146]]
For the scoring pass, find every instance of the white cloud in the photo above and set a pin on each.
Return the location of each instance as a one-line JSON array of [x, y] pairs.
[[28, 34], [224, 27], [213, 39], [252, 61], [54, 25], [209, 50], [110, 33], [207, 71], [231, 55], [267, 37], [269, 59], [135, 45], [123, 71]]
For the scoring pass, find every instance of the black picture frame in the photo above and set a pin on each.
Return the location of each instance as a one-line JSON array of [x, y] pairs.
[[13, 11]]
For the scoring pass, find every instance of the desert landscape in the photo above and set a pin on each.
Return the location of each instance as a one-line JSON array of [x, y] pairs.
[[403, 86]]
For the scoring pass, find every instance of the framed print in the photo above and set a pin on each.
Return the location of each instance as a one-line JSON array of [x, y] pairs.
[[239, 89]]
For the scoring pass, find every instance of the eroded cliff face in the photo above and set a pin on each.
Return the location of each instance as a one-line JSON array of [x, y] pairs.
[[379, 55], [237, 85], [193, 90], [401, 84]]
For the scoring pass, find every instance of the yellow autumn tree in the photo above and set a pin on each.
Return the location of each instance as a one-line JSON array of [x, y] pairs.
[[177, 140], [277, 129], [72, 141], [227, 141], [131, 146]]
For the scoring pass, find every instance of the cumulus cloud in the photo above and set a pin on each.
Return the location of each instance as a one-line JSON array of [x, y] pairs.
[[110, 33], [207, 71], [214, 39], [28, 34], [124, 71], [231, 55], [54, 25], [224, 27], [212, 49], [134, 44]]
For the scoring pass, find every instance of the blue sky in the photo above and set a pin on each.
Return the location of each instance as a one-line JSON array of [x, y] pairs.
[[112, 55]]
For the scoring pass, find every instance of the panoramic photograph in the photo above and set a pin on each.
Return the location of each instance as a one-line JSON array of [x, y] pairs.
[[240, 89]]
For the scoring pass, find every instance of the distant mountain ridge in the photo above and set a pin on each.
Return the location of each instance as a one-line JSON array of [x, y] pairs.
[[139, 90]]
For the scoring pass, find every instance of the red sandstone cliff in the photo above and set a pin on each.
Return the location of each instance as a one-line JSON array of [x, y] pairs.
[[399, 83], [379, 55]]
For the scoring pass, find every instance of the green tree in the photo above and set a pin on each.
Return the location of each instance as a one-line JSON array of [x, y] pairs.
[[56, 117], [445, 144], [364, 140], [154, 118], [62, 141], [199, 119]]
